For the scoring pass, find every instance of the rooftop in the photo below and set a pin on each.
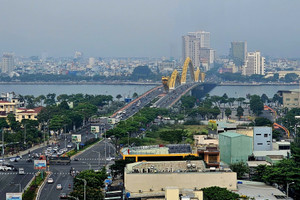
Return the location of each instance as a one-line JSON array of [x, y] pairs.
[[166, 167], [259, 191], [158, 149]]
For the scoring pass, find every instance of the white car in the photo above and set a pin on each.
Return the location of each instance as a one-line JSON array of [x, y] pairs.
[[50, 180], [13, 160], [59, 187], [69, 146]]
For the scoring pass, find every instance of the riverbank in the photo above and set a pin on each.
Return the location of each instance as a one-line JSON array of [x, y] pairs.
[[81, 83], [257, 84]]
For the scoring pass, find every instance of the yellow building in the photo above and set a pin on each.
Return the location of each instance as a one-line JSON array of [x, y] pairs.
[[7, 107], [31, 114]]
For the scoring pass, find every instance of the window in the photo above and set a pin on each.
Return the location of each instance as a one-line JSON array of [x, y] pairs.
[[259, 143], [258, 134], [265, 135], [287, 99]]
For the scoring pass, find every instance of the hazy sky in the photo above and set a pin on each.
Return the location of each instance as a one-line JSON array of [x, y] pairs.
[[151, 28]]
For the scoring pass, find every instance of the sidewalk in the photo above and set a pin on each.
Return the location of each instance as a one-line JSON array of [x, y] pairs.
[[22, 153]]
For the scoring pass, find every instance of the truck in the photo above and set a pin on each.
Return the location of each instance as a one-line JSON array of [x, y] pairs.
[[21, 171]]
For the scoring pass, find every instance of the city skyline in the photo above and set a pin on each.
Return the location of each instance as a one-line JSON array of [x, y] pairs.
[[146, 29]]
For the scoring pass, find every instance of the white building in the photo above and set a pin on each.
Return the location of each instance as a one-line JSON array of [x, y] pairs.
[[7, 63], [262, 138], [255, 64], [192, 43]]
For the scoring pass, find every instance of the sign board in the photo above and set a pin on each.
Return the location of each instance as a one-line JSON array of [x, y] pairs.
[[95, 129], [40, 164], [13, 196], [76, 138]]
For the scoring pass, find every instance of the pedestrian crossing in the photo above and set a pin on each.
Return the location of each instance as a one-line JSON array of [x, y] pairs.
[[14, 173], [79, 159]]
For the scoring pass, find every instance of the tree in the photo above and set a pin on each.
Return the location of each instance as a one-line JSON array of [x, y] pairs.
[[264, 98], [239, 112], [259, 172], [119, 97], [227, 112], [240, 100], [94, 180], [217, 193], [261, 121], [240, 168], [135, 95], [118, 167], [291, 77], [215, 112], [188, 101], [256, 105]]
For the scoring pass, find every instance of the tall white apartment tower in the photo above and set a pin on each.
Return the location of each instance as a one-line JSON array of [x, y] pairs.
[[255, 64], [192, 43], [7, 63]]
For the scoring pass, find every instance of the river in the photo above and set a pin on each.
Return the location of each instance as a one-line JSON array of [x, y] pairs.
[[128, 90]]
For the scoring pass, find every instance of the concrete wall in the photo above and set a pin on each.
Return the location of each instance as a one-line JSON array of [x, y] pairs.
[[156, 181], [262, 139]]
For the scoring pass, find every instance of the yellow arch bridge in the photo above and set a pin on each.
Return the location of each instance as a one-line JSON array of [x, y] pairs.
[[171, 82]]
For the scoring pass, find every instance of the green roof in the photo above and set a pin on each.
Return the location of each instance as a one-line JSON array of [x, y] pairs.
[[230, 134]]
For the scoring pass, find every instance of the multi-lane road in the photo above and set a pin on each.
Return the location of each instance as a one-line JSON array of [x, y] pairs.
[[89, 159]]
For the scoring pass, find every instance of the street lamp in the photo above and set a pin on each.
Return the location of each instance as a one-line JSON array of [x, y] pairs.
[[84, 181], [90, 166], [287, 189], [98, 157]]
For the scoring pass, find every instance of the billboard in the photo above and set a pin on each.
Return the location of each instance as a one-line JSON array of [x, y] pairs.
[[40, 164], [95, 129], [76, 138], [14, 196]]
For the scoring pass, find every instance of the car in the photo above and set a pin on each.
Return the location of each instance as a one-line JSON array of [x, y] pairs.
[[63, 196], [29, 160], [55, 148], [69, 146], [13, 160], [50, 180], [59, 187], [2, 168], [21, 171]]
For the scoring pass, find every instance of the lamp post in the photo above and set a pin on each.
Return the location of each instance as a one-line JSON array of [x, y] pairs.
[[287, 189], [84, 189], [90, 166], [98, 157], [2, 133]]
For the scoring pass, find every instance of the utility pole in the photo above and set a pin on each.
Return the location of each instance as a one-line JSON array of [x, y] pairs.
[[105, 146], [84, 189], [25, 134], [2, 143]]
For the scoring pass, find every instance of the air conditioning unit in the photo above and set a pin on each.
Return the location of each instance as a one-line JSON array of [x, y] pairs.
[[151, 190], [140, 191], [162, 189]]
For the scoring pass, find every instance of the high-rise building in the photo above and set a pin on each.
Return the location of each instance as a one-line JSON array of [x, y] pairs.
[[7, 63], [255, 64], [192, 43], [238, 53]]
